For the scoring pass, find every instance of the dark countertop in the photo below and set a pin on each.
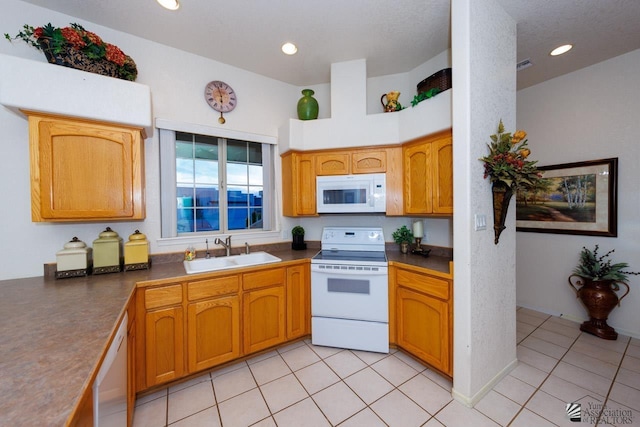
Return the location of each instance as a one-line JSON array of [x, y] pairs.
[[54, 333]]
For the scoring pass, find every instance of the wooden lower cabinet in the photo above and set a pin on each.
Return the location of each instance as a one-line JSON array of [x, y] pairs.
[[83, 415], [164, 338], [264, 318], [184, 328], [424, 317], [131, 361], [298, 302], [213, 332]]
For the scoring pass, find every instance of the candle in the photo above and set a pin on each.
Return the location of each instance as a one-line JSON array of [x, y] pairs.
[[417, 229]]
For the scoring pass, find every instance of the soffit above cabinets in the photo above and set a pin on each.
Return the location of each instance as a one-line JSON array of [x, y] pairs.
[[40, 86]]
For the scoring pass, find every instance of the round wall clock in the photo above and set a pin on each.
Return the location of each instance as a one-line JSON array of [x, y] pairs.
[[221, 97]]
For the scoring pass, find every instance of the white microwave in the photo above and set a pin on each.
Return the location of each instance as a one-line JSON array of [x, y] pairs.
[[351, 193]]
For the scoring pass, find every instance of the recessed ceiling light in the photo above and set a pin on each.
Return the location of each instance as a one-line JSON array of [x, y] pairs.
[[169, 4], [289, 48], [561, 49]]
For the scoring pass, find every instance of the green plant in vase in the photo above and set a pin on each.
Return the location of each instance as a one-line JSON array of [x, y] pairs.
[[596, 279], [298, 243], [403, 236]]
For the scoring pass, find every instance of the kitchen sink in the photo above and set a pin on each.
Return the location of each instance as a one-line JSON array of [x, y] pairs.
[[202, 265]]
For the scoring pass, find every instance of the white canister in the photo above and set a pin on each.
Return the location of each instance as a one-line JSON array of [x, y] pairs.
[[73, 260]]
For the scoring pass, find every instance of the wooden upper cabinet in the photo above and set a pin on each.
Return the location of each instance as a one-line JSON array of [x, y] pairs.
[[417, 182], [332, 163], [298, 184], [369, 161], [442, 157], [84, 170], [395, 205], [428, 175]]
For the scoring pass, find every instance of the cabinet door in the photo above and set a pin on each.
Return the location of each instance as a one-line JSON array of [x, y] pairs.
[[298, 185], [428, 175], [84, 170], [264, 318], [369, 161], [164, 356], [395, 197], [442, 156], [423, 328], [417, 177], [131, 357], [332, 164], [298, 301], [131, 370], [213, 332]]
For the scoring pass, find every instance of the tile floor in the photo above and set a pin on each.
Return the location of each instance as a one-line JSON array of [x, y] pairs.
[[305, 385]]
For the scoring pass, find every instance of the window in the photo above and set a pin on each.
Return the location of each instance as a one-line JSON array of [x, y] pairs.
[[212, 184]]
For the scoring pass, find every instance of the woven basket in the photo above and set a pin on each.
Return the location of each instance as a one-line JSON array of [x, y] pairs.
[[440, 80], [74, 58]]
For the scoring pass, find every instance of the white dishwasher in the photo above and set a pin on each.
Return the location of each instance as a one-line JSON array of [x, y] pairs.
[[110, 386]]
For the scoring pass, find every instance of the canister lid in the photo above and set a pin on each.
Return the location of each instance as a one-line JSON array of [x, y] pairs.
[[137, 235], [75, 246], [107, 236], [75, 243], [108, 232]]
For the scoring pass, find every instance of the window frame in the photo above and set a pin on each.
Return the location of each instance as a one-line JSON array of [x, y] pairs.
[[168, 195]]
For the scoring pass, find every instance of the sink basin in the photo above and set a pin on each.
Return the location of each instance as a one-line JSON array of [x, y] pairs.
[[202, 265]]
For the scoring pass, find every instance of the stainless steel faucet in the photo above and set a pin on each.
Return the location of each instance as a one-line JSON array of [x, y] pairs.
[[247, 250], [226, 244], [207, 255]]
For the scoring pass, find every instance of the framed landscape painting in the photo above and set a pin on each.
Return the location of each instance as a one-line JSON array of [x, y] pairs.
[[572, 198]]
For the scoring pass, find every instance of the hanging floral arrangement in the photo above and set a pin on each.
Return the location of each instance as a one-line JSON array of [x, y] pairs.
[[508, 167], [76, 47], [508, 162]]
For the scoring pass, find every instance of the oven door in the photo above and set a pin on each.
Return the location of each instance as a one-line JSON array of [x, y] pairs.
[[350, 292]]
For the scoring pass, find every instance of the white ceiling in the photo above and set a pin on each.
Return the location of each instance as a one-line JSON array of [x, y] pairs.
[[394, 36]]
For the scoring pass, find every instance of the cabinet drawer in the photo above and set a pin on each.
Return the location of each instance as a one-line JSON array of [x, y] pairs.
[[436, 287], [212, 287], [160, 297], [261, 279]]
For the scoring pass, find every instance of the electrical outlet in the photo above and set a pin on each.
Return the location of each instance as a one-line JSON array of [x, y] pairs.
[[480, 222]]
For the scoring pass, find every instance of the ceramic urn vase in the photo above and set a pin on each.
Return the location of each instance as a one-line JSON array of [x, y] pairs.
[[308, 106]]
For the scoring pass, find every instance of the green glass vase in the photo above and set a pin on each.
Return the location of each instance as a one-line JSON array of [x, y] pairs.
[[307, 106]]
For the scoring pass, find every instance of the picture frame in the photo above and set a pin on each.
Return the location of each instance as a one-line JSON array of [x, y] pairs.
[[572, 198]]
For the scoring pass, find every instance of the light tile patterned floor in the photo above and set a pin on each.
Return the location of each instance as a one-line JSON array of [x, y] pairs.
[[302, 385]]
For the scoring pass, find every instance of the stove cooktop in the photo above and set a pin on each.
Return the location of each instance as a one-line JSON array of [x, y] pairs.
[[350, 256]]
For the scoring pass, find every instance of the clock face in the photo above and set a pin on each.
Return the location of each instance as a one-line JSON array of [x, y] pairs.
[[220, 96]]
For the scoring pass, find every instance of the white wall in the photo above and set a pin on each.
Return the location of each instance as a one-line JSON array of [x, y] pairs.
[[484, 58], [589, 114], [177, 81]]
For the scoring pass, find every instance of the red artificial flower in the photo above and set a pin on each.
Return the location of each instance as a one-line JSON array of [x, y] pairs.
[[93, 37], [72, 37], [115, 55]]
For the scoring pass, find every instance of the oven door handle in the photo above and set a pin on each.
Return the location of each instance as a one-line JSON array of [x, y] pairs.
[[382, 271]]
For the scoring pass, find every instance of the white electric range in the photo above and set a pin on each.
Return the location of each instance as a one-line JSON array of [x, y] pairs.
[[349, 290]]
